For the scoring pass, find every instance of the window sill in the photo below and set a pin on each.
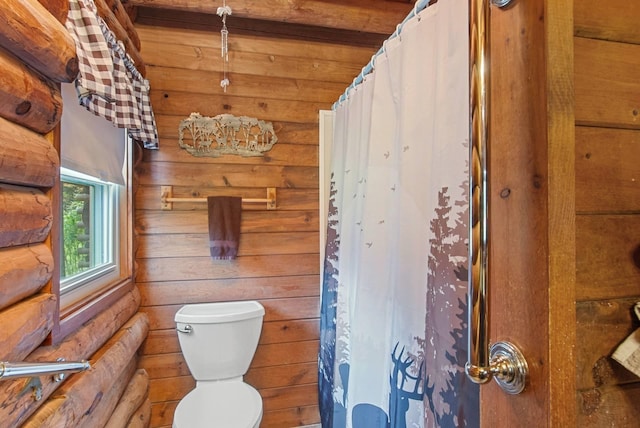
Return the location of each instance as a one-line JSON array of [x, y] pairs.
[[77, 315]]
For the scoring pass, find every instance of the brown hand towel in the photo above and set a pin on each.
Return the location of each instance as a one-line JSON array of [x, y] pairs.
[[224, 226]]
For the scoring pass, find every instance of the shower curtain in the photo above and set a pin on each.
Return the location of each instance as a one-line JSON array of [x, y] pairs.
[[393, 316]]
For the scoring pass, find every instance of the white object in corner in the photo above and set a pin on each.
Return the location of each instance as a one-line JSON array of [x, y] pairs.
[[628, 353]]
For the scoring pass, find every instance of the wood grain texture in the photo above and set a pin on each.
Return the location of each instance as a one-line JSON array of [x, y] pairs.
[[182, 292], [132, 398], [148, 197], [287, 132], [607, 257], [26, 325], [26, 215], [197, 245], [561, 229], [23, 271], [142, 416], [252, 221], [198, 268], [121, 33], [607, 93], [166, 341], [77, 399], [120, 13], [27, 158], [229, 175], [280, 154], [16, 408], [32, 34], [521, 208], [601, 326], [275, 78], [607, 87], [610, 20], [281, 364], [105, 403], [191, 38], [375, 16], [184, 103], [607, 407], [27, 98], [298, 308], [58, 8], [607, 182]]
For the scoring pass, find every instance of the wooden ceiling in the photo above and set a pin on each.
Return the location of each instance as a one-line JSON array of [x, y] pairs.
[[353, 22]]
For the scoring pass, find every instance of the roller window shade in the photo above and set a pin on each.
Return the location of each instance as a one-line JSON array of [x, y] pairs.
[[90, 144]]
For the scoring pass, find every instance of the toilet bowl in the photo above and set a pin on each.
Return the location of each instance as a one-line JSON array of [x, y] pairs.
[[216, 405], [218, 341]]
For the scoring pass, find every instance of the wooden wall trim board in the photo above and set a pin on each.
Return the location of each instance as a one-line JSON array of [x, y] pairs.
[[205, 82], [532, 233], [561, 233], [196, 39], [610, 20], [601, 99], [181, 19], [252, 221], [601, 168], [374, 16]]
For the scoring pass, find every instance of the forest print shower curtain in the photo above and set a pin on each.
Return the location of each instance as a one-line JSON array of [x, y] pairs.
[[393, 322]]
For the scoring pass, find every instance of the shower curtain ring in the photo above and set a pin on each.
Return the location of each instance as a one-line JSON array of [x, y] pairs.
[[415, 11]]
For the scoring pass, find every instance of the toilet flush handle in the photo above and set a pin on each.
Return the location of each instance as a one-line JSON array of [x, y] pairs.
[[186, 329]]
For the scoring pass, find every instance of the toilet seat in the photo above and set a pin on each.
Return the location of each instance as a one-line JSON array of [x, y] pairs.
[[222, 404]]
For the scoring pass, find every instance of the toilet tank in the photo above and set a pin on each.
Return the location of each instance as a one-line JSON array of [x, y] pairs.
[[218, 340]]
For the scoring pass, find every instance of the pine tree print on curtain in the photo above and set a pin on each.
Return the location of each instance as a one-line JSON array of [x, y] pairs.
[[393, 336]]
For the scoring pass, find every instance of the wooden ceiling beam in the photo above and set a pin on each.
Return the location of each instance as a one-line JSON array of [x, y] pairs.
[[371, 16], [212, 23]]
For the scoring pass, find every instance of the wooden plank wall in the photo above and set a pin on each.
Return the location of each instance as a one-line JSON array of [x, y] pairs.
[[607, 60], [36, 53], [283, 81]]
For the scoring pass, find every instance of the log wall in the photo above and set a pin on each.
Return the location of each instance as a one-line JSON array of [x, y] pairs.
[[607, 110], [283, 81], [36, 53]]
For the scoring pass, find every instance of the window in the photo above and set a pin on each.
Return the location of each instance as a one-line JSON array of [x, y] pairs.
[[90, 245], [93, 234]]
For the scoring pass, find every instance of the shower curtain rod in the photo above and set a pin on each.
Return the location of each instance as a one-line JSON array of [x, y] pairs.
[[419, 6]]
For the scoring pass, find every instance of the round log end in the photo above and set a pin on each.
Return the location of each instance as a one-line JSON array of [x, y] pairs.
[[72, 69]]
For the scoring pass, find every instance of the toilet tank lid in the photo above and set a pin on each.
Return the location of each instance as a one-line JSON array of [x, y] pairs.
[[219, 312]]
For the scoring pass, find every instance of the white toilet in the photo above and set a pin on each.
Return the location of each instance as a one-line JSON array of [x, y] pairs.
[[218, 341]]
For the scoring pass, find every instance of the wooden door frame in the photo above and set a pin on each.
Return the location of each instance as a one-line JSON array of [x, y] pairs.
[[532, 210]]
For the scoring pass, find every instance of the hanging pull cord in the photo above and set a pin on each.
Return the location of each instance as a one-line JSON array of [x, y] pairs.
[[224, 11]]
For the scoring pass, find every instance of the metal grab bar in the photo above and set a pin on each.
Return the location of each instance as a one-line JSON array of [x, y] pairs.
[[12, 370], [502, 361]]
